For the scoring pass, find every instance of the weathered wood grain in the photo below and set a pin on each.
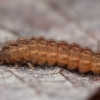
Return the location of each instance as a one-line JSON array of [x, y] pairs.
[[69, 20]]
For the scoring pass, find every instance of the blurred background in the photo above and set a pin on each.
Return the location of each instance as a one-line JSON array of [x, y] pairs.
[[70, 20]]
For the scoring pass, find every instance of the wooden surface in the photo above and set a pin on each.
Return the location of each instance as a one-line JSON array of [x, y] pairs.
[[70, 20]]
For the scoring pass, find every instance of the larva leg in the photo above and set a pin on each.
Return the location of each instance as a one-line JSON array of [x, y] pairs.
[[16, 65], [30, 65], [61, 73]]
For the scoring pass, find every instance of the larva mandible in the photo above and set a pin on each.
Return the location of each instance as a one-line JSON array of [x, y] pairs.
[[40, 51]]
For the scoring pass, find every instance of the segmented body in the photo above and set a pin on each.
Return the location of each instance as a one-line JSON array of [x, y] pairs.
[[40, 51]]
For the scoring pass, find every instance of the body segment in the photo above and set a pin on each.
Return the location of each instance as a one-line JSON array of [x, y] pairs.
[[95, 64], [85, 60], [73, 58], [62, 53], [42, 51], [13, 51], [33, 50], [23, 48], [51, 52]]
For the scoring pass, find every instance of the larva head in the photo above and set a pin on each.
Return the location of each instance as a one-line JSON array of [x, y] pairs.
[[4, 47], [5, 53]]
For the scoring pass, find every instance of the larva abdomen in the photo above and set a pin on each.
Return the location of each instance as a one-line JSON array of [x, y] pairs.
[[33, 45], [62, 53], [95, 63], [51, 52], [73, 58], [13, 52], [40, 51], [85, 60]]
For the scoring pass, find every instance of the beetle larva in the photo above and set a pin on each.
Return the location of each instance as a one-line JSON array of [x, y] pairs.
[[40, 51]]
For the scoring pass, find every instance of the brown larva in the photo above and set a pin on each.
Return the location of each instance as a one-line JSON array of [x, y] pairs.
[[40, 51]]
